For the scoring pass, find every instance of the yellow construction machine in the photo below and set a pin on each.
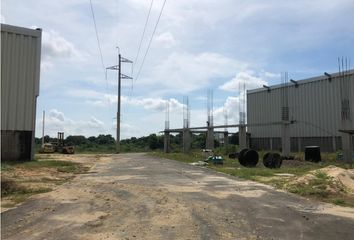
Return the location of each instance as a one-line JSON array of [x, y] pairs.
[[57, 146]]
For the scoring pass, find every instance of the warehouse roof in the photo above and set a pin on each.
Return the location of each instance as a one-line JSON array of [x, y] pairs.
[[20, 30], [299, 82]]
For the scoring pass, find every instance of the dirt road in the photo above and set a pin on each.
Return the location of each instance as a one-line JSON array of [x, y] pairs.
[[134, 196]]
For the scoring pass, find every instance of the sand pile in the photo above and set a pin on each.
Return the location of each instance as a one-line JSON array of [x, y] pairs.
[[344, 176], [335, 179]]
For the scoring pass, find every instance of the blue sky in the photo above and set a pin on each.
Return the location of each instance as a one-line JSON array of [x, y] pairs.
[[198, 45]]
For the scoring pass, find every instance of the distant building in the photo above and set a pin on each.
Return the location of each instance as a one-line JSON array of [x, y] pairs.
[[20, 72], [314, 106]]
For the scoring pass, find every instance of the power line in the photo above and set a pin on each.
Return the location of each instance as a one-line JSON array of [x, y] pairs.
[[139, 48], [100, 51], [97, 37], [143, 35], [152, 36]]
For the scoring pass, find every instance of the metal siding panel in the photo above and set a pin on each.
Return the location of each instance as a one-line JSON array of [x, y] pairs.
[[314, 118], [13, 124], [28, 83], [315, 102], [333, 109], [351, 97], [20, 67], [33, 87], [21, 117], [4, 84]]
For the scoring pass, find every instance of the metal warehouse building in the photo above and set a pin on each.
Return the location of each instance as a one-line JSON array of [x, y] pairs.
[[20, 71], [314, 108]]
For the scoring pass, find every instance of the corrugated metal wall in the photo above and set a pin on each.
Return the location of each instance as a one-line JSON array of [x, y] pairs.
[[20, 70], [20, 66], [314, 105]]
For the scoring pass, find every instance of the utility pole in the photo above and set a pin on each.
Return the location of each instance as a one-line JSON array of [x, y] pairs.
[[43, 128], [120, 77]]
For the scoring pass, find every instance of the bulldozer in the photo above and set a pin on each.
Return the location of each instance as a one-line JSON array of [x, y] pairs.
[[57, 146]]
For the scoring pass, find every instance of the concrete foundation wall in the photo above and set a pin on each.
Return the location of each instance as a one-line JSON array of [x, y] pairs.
[[16, 145]]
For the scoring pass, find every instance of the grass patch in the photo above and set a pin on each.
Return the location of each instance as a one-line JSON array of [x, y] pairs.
[[11, 188], [320, 187], [181, 157], [16, 193], [61, 166], [5, 166], [38, 178]]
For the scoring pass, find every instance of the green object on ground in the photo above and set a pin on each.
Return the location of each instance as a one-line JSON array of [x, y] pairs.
[[216, 159]]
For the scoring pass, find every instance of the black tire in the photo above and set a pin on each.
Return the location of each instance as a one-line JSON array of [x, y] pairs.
[[272, 160], [248, 158], [242, 153], [277, 160], [268, 160]]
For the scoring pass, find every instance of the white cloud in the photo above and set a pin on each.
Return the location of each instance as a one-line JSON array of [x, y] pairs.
[[2, 19], [165, 39], [95, 122], [56, 121], [155, 104], [242, 78], [56, 46], [183, 72], [102, 99], [84, 93], [55, 114], [128, 130], [272, 75]]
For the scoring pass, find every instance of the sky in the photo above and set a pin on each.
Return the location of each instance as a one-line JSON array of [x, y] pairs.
[[198, 45]]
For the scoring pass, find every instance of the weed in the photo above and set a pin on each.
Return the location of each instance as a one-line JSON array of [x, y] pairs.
[[321, 186], [339, 202], [10, 187]]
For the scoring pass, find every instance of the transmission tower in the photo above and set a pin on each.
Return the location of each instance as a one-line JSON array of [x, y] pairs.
[[119, 78]]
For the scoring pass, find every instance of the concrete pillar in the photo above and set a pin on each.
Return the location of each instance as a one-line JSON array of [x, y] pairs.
[[299, 144], [226, 138], [334, 145], [167, 142], [186, 140], [347, 146], [242, 137], [271, 143], [285, 140], [210, 139]]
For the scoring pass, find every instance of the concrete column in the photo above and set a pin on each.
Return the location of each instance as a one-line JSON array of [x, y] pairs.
[[347, 146], [167, 142], [186, 140], [271, 143], [334, 145], [210, 139], [226, 138], [242, 137], [299, 144], [285, 140]]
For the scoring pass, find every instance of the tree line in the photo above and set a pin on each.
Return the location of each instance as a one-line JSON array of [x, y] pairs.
[[106, 143]]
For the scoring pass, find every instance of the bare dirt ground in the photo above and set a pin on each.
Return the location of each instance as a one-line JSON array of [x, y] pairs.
[[134, 196], [41, 178]]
